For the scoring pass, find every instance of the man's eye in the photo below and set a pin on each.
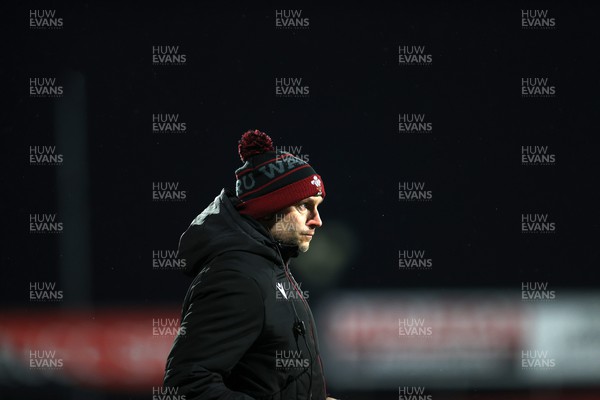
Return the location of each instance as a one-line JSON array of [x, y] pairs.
[[302, 206]]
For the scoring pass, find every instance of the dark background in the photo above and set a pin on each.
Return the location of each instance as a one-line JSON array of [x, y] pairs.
[[348, 125]]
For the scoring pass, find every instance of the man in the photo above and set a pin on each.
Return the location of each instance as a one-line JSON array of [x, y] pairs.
[[247, 331]]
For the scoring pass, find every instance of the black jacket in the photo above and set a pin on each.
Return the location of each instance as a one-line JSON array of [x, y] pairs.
[[247, 331]]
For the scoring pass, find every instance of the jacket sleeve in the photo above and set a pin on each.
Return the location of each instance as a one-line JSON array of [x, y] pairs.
[[223, 315]]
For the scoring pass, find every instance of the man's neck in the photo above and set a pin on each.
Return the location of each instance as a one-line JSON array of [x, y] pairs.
[[287, 251]]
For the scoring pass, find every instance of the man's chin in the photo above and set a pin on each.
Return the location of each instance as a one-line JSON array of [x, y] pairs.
[[303, 247]]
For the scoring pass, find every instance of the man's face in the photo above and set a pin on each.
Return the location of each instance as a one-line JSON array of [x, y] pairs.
[[296, 225]]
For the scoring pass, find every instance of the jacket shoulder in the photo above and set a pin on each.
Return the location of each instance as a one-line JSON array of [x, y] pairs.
[[250, 265]]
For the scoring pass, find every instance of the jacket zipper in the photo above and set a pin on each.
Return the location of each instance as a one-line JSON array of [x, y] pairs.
[[292, 281]]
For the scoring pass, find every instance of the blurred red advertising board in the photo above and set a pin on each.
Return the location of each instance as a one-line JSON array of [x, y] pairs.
[[120, 349]]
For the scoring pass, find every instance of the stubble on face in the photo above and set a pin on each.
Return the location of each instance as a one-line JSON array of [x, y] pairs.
[[296, 225], [289, 229]]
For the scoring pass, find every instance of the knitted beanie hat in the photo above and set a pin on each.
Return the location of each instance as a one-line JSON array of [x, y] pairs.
[[270, 180]]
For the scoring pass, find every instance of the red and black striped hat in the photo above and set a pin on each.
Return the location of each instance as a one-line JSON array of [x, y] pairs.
[[270, 180]]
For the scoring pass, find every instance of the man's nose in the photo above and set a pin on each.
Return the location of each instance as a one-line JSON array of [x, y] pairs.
[[315, 220]]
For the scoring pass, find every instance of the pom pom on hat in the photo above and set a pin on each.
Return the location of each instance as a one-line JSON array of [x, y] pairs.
[[254, 142]]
